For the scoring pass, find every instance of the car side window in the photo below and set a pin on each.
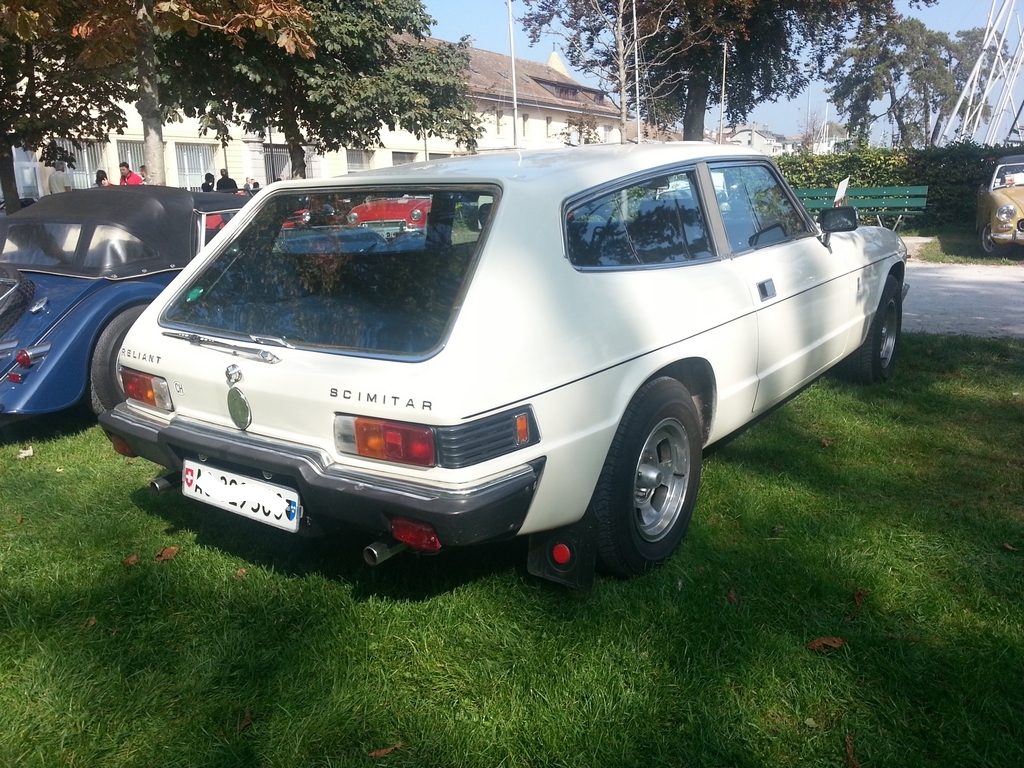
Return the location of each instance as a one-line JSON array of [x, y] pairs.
[[658, 221], [755, 208], [112, 247]]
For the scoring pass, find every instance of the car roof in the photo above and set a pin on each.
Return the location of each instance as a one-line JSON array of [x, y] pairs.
[[563, 171], [1010, 160], [162, 217]]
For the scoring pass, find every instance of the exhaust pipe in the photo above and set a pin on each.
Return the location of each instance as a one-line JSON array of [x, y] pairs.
[[379, 551], [165, 483]]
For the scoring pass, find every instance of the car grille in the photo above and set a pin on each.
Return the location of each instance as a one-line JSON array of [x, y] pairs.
[[478, 441]]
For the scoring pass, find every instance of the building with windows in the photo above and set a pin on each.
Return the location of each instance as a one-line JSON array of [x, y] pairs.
[[548, 106]]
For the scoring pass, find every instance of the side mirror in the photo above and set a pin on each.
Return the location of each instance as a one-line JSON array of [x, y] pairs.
[[841, 219]]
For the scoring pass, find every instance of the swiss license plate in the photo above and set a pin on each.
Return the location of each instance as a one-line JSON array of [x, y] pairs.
[[273, 504]]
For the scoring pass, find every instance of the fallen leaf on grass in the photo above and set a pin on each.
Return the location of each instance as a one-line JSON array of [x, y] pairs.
[[246, 721], [851, 761], [858, 598], [131, 560], [1008, 546], [167, 553], [20, 518], [240, 573], [731, 597], [386, 750], [826, 644], [26, 453], [90, 623], [826, 442]]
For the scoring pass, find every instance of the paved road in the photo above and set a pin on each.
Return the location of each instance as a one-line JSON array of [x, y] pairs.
[[964, 299]]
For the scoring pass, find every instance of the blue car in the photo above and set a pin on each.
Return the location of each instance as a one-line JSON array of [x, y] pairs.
[[76, 270]]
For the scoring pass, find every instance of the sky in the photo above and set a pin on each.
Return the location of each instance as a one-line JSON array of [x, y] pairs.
[[486, 22]]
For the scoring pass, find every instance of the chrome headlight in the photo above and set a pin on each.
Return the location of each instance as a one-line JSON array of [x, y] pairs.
[[1006, 213]]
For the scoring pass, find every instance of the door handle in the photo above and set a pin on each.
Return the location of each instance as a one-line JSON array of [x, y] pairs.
[[766, 289]]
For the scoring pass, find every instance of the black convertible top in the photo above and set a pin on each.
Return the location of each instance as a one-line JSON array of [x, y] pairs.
[[1010, 160], [164, 218]]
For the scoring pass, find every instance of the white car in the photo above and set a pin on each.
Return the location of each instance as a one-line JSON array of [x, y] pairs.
[[547, 357]]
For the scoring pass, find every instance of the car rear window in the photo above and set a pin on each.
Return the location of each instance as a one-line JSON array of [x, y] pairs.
[[40, 243], [309, 273]]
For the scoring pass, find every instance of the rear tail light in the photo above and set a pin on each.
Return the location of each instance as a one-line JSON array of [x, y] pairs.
[[387, 440], [415, 533], [29, 356], [146, 388]]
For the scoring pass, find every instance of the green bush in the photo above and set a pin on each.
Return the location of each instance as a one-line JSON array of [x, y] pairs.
[[952, 174]]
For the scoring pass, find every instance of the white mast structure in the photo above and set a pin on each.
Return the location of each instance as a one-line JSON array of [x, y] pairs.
[[992, 69]]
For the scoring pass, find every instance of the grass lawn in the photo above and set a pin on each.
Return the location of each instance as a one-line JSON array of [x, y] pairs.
[[889, 519], [957, 245]]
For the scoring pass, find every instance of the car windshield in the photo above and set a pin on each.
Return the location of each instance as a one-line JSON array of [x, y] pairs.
[[1008, 176], [306, 272]]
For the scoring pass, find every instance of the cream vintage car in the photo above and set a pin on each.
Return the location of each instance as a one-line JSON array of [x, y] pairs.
[[1000, 207], [547, 357]]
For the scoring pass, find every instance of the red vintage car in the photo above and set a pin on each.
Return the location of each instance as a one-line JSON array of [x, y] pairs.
[[393, 216]]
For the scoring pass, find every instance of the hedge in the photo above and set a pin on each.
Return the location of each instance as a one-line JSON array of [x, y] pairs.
[[952, 173]]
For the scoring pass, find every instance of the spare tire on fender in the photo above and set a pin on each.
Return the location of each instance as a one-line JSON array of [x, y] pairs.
[[16, 292]]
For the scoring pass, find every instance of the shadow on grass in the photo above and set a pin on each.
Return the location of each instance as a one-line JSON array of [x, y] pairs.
[[336, 553], [961, 246], [49, 426]]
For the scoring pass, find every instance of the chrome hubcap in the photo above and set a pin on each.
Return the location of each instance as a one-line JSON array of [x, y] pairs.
[[662, 471], [888, 345]]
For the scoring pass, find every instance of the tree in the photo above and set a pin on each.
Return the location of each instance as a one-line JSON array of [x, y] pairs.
[[600, 41], [913, 73], [45, 93], [580, 128], [764, 41], [372, 68], [125, 31]]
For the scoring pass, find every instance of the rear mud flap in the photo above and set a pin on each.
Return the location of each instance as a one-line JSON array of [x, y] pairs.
[[566, 555]]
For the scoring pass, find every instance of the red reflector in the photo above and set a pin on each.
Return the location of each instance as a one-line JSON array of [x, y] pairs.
[[121, 445], [23, 358], [561, 554], [415, 533], [14, 377]]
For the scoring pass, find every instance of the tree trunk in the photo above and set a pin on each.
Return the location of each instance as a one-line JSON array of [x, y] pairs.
[[296, 149], [8, 179], [695, 108], [148, 104]]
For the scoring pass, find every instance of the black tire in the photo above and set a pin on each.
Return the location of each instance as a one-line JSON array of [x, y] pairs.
[[16, 292], [105, 388], [874, 362], [642, 512], [988, 246]]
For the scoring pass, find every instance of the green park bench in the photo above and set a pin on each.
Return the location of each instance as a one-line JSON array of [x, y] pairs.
[[892, 202]]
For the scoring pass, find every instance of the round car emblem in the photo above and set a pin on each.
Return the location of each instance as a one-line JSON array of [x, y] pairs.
[[238, 407]]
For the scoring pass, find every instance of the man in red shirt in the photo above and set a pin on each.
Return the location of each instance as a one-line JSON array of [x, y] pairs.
[[128, 176]]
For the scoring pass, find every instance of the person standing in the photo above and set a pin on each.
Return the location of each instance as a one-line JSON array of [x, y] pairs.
[[101, 179], [225, 183], [128, 176], [144, 174], [207, 184], [59, 180]]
